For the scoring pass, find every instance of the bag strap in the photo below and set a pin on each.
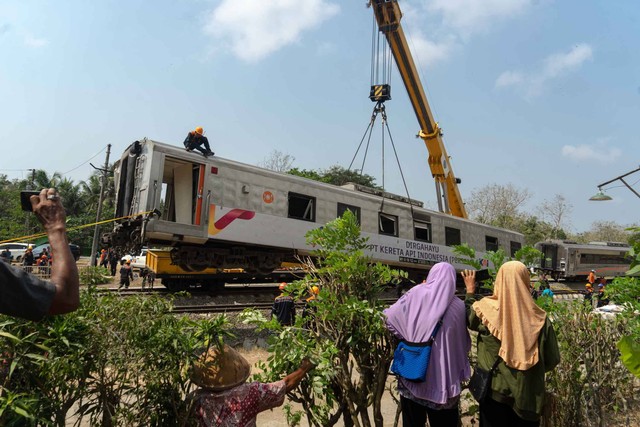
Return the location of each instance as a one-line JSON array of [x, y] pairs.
[[495, 365], [431, 338]]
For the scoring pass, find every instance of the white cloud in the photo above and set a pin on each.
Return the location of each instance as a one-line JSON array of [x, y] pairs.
[[554, 66], [453, 22], [254, 29], [35, 41], [509, 78], [562, 63], [429, 52], [466, 17], [598, 152]]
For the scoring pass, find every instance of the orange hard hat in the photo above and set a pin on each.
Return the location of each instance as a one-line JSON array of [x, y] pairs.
[[282, 286], [199, 130], [315, 290]]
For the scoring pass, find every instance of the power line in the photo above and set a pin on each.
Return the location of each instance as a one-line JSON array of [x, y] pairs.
[[85, 162]]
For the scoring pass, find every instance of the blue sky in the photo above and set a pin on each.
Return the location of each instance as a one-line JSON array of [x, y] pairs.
[[542, 94]]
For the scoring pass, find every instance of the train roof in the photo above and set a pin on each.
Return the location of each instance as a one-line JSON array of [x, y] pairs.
[[349, 189], [591, 245]]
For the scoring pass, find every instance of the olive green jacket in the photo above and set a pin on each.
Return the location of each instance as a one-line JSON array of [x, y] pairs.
[[522, 390]]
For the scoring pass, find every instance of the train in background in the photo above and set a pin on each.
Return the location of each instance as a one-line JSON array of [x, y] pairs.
[[564, 259], [218, 213]]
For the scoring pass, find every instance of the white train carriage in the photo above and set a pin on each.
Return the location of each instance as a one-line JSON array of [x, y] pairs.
[[564, 259], [220, 213]]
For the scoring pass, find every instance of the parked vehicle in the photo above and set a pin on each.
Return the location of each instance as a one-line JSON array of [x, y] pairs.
[[16, 249], [137, 261], [37, 251]]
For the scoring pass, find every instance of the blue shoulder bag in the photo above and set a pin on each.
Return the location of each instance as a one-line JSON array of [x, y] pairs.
[[411, 360]]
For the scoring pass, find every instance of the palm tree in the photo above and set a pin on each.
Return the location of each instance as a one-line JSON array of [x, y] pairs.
[[72, 198], [42, 179], [91, 191]]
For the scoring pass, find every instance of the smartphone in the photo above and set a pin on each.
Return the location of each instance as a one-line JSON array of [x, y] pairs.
[[25, 199], [482, 275]]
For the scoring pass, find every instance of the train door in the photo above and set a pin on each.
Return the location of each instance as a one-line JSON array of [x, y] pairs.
[[549, 256], [181, 195]]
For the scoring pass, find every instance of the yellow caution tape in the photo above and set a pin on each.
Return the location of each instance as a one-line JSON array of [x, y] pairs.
[[79, 227]]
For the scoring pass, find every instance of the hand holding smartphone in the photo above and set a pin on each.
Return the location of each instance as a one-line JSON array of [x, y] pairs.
[[25, 199]]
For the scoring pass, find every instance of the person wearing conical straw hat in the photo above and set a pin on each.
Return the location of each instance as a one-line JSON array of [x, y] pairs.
[[225, 398]]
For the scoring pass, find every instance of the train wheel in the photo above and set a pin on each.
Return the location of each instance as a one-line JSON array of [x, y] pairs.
[[176, 285], [192, 267]]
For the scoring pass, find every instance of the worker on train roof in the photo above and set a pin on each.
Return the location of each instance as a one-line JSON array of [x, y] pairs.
[[195, 140]]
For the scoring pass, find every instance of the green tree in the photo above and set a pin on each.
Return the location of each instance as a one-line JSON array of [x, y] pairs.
[[344, 332], [605, 231], [118, 361], [42, 179], [336, 175]]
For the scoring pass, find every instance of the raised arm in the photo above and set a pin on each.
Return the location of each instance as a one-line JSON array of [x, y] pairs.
[[293, 379], [64, 272]]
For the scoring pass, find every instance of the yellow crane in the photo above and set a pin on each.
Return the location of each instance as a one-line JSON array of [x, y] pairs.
[[387, 14]]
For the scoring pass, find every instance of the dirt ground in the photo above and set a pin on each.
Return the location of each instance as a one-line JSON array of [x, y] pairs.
[[277, 418]]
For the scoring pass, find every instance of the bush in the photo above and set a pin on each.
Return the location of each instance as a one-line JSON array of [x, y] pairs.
[[590, 384], [92, 276], [344, 333], [119, 361]]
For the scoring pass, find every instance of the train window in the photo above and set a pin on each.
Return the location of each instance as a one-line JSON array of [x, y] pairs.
[[342, 208], [387, 224], [422, 231], [611, 258], [491, 243], [515, 247], [452, 236], [302, 207]]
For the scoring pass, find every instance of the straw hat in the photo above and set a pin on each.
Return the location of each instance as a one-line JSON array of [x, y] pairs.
[[220, 371]]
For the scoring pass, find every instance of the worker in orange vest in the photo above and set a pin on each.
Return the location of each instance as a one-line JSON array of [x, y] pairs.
[[592, 277]]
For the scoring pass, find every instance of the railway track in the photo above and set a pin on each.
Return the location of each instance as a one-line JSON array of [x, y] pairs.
[[233, 308]]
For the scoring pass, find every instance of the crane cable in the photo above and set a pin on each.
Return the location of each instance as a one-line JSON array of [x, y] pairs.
[[79, 227]]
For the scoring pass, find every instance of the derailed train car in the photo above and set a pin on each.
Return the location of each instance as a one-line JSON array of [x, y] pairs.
[[224, 214], [564, 259]]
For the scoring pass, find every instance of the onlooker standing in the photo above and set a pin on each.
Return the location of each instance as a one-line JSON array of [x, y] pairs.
[[126, 274], [413, 318], [6, 255], [26, 296], [226, 399], [27, 258], [513, 330], [284, 307], [113, 261]]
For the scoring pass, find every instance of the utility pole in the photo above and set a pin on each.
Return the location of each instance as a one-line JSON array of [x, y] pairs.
[[27, 226], [105, 171]]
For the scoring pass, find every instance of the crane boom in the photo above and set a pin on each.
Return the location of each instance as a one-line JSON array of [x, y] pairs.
[[388, 15]]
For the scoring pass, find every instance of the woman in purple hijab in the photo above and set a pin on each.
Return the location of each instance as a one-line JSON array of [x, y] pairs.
[[413, 318]]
